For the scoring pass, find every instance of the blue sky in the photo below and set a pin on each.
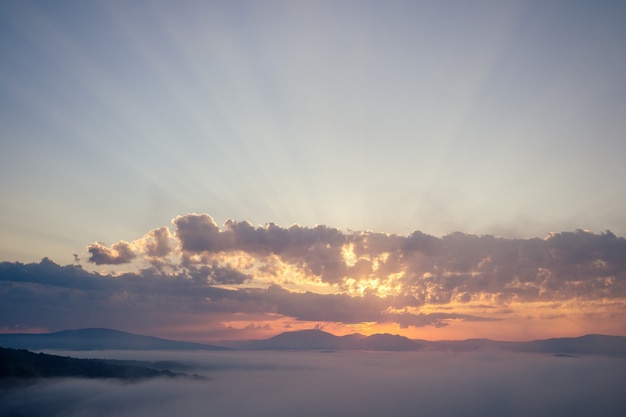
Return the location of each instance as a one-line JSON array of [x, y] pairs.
[[401, 138], [502, 118]]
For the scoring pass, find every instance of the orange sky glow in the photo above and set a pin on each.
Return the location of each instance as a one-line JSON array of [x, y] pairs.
[[204, 282]]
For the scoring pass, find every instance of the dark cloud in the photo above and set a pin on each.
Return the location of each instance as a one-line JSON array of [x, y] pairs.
[[436, 270], [198, 233], [363, 276], [58, 297], [318, 249], [119, 253], [52, 296], [432, 319], [216, 274], [310, 306], [157, 243]]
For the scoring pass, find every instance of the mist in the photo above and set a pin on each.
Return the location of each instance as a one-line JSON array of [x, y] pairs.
[[348, 383]]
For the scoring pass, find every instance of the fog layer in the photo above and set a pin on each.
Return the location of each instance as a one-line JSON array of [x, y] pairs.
[[340, 384]]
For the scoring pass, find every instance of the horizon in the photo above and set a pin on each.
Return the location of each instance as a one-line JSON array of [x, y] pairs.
[[230, 171], [216, 342]]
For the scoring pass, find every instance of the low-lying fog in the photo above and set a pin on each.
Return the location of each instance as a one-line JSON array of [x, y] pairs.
[[342, 383]]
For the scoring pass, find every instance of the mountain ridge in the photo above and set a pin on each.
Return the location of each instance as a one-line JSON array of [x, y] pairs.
[[311, 339], [17, 364], [96, 338], [315, 339]]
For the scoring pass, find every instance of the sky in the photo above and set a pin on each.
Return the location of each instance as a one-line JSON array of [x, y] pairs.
[[232, 169]]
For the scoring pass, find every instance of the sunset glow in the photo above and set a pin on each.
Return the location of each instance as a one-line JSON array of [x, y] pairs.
[[207, 282], [233, 170]]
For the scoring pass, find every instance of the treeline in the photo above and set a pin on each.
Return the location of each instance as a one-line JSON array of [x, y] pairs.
[[23, 364]]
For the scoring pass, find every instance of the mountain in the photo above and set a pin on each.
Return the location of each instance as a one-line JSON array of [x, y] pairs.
[[591, 344], [97, 339], [320, 340], [583, 345], [22, 364], [303, 339], [467, 345], [385, 341], [100, 339]]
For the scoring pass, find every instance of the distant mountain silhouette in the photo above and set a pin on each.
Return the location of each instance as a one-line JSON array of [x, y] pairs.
[[21, 364], [96, 339], [563, 346], [101, 339], [320, 340], [463, 345], [594, 344], [304, 339]]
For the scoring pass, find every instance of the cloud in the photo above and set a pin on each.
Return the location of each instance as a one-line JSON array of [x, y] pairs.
[[310, 306], [198, 233], [46, 294], [321, 275], [216, 274], [317, 249], [456, 267], [432, 319], [156, 243], [119, 253]]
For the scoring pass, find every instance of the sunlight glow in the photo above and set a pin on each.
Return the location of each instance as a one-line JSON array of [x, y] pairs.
[[349, 257], [364, 133]]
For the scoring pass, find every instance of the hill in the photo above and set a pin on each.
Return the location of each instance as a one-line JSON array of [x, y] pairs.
[[591, 344], [583, 345], [96, 339], [21, 364], [102, 339], [320, 340]]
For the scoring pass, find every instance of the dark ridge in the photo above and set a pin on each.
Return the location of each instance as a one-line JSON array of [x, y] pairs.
[[320, 340], [97, 339], [304, 339], [388, 342], [323, 341], [592, 344], [101, 339], [20, 364]]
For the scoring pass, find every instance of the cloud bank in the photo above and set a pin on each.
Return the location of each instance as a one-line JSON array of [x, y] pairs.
[[323, 275], [344, 384], [426, 268]]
